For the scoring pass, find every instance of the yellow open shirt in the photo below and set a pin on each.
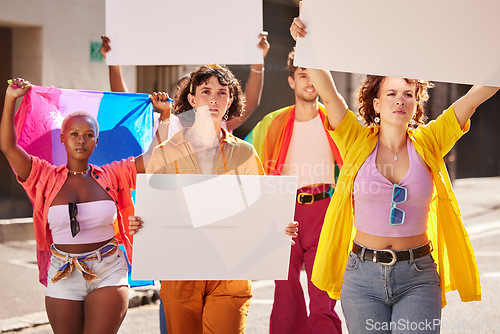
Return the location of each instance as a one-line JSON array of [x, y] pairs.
[[453, 252]]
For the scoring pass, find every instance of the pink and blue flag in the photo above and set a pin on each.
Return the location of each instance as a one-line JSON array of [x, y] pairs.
[[125, 122], [125, 125]]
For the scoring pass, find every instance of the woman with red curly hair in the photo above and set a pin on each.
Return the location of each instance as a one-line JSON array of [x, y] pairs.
[[393, 242]]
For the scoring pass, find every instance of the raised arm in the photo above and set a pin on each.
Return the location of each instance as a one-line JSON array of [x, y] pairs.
[[164, 105], [253, 87], [116, 81], [335, 105], [466, 106], [19, 160], [161, 102]]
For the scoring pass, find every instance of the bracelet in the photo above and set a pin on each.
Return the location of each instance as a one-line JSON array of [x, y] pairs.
[[164, 121], [257, 71]]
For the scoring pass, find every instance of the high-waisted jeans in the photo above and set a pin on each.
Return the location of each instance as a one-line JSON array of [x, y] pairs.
[[403, 298]]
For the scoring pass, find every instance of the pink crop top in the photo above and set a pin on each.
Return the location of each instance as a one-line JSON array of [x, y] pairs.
[[95, 218], [373, 198]]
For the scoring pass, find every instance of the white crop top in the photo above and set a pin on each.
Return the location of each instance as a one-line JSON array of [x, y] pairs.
[[95, 218]]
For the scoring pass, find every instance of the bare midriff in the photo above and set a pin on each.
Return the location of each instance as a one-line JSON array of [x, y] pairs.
[[81, 248], [376, 242]]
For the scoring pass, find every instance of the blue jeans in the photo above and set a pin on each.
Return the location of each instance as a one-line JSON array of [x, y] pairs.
[[403, 298]]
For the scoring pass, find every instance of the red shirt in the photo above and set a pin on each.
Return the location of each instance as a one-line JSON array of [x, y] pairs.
[[46, 180]]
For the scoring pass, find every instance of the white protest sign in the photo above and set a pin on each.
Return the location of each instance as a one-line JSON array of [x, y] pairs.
[[440, 40], [159, 32], [213, 227]]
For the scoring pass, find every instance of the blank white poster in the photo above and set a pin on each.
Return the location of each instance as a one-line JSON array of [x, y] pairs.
[[213, 227], [159, 32], [440, 40]]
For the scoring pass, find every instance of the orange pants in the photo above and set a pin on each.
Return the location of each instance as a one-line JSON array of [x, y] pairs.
[[206, 306]]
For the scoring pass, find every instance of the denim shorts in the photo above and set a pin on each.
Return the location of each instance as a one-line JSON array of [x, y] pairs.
[[403, 298], [112, 271]]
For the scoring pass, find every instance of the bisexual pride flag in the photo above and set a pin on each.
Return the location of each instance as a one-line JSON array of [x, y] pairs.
[[125, 122], [125, 126]]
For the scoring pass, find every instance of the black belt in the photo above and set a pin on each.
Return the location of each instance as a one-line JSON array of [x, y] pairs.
[[388, 257], [306, 198]]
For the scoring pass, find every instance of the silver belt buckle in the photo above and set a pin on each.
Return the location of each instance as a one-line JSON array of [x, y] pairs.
[[393, 254]]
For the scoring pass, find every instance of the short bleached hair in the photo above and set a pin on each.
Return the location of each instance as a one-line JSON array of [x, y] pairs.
[[80, 113]]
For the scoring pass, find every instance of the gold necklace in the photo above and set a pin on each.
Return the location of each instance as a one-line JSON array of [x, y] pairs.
[[79, 172]]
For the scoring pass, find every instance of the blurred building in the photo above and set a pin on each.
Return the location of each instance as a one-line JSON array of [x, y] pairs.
[[56, 43]]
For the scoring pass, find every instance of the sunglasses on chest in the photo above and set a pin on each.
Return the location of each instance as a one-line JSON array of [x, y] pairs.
[[74, 224], [399, 195]]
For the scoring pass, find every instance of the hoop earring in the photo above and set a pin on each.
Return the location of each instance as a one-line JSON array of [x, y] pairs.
[[226, 115], [377, 120]]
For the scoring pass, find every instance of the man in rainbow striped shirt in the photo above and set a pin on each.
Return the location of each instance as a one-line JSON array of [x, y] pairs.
[[293, 141]]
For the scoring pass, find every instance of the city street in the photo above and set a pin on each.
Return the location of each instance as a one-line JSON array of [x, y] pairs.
[[22, 305]]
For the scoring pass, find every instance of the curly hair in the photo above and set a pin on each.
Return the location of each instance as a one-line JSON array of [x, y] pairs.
[[80, 113], [201, 75], [289, 63], [370, 89]]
